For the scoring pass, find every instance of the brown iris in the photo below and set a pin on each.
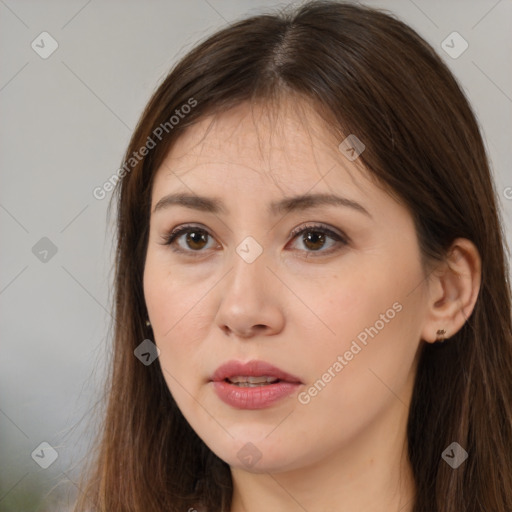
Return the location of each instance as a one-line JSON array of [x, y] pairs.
[[314, 240], [194, 239]]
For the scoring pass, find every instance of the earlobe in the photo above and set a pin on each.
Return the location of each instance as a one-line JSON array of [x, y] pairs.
[[453, 291]]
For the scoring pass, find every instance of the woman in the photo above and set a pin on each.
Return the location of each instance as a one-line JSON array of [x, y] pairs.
[[312, 297]]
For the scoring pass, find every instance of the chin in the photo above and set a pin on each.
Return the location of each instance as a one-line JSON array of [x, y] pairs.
[[256, 455]]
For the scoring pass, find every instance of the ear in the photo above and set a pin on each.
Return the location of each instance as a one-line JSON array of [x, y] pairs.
[[452, 291]]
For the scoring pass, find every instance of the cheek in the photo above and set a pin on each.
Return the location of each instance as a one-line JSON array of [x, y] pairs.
[[171, 298], [341, 306], [176, 305], [367, 361]]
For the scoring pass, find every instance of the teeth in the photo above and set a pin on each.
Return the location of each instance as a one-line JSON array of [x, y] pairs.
[[252, 381]]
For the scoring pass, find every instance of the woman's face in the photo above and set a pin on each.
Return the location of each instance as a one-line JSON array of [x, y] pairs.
[[339, 307]]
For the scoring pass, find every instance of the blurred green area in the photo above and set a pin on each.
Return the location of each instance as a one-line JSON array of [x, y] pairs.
[[37, 493]]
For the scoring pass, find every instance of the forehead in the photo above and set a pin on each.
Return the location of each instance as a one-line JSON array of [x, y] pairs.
[[291, 148]]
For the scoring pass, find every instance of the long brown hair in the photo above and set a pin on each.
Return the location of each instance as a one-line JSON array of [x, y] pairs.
[[371, 75]]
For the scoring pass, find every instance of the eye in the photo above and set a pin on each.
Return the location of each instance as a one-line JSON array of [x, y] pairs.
[[314, 238], [194, 239]]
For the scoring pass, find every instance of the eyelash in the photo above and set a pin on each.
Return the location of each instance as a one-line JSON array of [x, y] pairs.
[[171, 237]]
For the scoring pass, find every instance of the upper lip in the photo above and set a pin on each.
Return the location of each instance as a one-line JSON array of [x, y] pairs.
[[251, 369]]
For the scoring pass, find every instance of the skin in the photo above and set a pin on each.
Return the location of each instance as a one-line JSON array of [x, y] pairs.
[[298, 309]]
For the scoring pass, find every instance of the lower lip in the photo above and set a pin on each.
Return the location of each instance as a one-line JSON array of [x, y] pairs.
[[253, 397]]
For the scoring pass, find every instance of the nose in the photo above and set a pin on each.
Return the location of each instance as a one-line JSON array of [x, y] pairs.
[[251, 300]]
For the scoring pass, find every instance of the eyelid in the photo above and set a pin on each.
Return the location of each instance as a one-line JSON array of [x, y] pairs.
[[320, 227]]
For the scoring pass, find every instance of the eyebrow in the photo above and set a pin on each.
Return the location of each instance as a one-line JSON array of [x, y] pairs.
[[286, 205]]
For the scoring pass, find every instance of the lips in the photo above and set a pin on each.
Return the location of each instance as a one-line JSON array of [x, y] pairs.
[[253, 385], [252, 373]]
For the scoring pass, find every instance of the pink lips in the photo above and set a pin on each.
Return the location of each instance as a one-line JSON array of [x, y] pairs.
[[257, 397]]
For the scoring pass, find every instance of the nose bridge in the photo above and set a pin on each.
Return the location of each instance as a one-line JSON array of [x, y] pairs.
[[250, 250], [249, 265], [247, 303]]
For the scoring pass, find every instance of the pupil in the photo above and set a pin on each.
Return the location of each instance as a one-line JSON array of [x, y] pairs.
[[314, 238], [191, 239]]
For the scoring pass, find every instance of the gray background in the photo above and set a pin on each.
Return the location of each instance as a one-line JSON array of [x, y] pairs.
[[66, 121]]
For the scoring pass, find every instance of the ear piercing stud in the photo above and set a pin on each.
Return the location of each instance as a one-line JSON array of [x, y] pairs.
[[148, 323], [440, 335]]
